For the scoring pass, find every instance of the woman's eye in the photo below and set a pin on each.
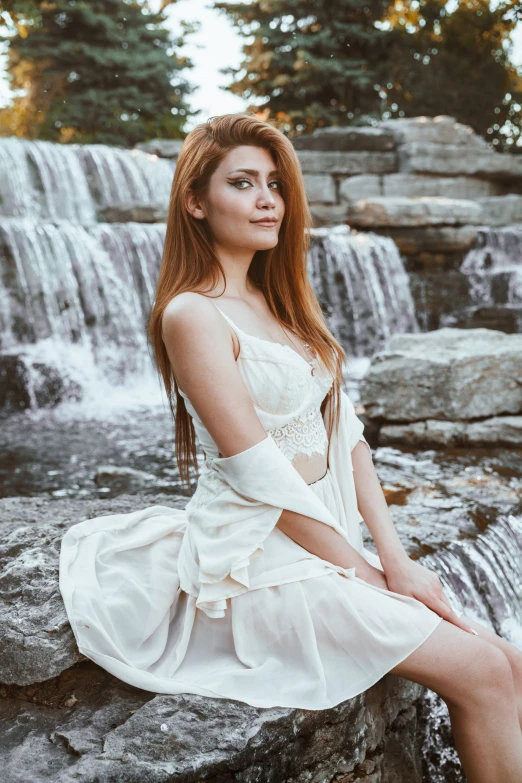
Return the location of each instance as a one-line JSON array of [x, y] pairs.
[[239, 181]]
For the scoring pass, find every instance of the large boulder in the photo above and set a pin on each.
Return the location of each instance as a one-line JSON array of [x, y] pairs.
[[86, 726], [448, 374]]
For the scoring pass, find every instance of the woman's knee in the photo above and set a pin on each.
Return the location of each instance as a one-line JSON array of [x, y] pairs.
[[487, 678]]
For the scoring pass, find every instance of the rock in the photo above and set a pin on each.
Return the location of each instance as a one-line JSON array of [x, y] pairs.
[[332, 139], [432, 239], [163, 148], [501, 210], [328, 214], [360, 186], [418, 185], [438, 130], [456, 159], [320, 188], [25, 383], [501, 317], [122, 479], [448, 374], [437, 294], [496, 431], [134, 213], [390, 212], [115, 732], [36, 641], [347, 163]]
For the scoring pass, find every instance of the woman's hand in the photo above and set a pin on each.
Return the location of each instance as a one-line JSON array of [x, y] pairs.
[[408, 577], [372, 575]]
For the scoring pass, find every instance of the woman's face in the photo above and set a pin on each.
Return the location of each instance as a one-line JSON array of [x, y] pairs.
[[243, 190]]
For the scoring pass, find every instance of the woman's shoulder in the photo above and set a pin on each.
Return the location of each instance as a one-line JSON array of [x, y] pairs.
[[190, 309]]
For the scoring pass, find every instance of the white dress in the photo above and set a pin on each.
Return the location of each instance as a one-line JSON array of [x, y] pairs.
[[215, 599]]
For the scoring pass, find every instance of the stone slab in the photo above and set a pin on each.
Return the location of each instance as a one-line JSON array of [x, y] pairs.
[[418, 185], [495, 431], [448, 374], [432, 239], [348, 163], [350, 139], [320, 188], [163, 148], [442, 129], [395, 212], [455, 159]]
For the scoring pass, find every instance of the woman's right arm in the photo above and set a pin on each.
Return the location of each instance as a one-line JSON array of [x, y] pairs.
[[200, 347]]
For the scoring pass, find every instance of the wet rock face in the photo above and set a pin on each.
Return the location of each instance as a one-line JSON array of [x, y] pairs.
[[448, 374]]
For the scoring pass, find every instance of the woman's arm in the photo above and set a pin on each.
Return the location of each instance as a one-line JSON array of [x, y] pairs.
[[374, 509], [403, 575], [200, 346]]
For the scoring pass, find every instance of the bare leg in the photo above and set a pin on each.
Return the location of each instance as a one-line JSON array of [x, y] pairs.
[[513, 654], [474, 678]]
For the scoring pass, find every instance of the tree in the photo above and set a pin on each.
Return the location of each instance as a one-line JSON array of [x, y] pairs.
[[94, 71], [455, 63], [314, 62]]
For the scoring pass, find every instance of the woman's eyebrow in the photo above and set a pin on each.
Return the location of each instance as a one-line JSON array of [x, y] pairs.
[[255, 172]]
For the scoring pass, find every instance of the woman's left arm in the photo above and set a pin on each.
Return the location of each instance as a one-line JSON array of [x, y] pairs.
[[403, 575]]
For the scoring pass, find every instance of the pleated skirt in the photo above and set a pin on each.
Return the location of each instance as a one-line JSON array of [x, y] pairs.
[[304, 644]]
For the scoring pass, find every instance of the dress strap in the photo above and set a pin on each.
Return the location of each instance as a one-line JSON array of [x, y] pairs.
[[236, 328]]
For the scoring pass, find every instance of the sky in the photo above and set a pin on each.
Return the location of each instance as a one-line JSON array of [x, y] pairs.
[[215, 46]]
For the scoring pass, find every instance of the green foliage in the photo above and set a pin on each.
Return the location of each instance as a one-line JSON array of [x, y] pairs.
[[101, 71], [317, 63], [455, 63], [314, 62]]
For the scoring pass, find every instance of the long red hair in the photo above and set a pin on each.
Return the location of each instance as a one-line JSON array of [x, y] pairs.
[[190, 264]]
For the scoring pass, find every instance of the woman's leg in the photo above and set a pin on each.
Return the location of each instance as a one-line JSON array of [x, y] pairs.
[[475, 679], [513, 654]]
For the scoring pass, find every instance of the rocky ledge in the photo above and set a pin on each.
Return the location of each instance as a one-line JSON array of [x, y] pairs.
[[447, 387]]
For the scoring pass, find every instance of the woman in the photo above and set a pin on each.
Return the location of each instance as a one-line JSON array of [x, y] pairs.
[[261, 588]]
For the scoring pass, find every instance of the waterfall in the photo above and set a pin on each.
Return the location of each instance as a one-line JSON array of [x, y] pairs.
[[78, 291], [483, 577], [80, 295], [361, 283], [55, 182], [494, 266]]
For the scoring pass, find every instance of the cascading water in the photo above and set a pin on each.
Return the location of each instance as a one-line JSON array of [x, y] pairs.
[[74, 292], [494, 266], [361, 282], [483, 577]]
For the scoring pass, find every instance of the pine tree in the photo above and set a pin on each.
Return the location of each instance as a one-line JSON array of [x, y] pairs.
[[314, 62], [455, 63], [101, 71]]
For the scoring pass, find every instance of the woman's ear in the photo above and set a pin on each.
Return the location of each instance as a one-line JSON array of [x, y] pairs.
[[194, 205]]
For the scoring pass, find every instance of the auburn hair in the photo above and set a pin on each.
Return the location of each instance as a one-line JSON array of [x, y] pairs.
[[189, 262]]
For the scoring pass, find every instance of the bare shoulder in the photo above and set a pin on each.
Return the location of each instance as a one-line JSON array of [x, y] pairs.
[[188, 312]]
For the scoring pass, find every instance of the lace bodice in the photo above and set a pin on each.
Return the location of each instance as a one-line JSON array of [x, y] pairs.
[[287, 398]]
